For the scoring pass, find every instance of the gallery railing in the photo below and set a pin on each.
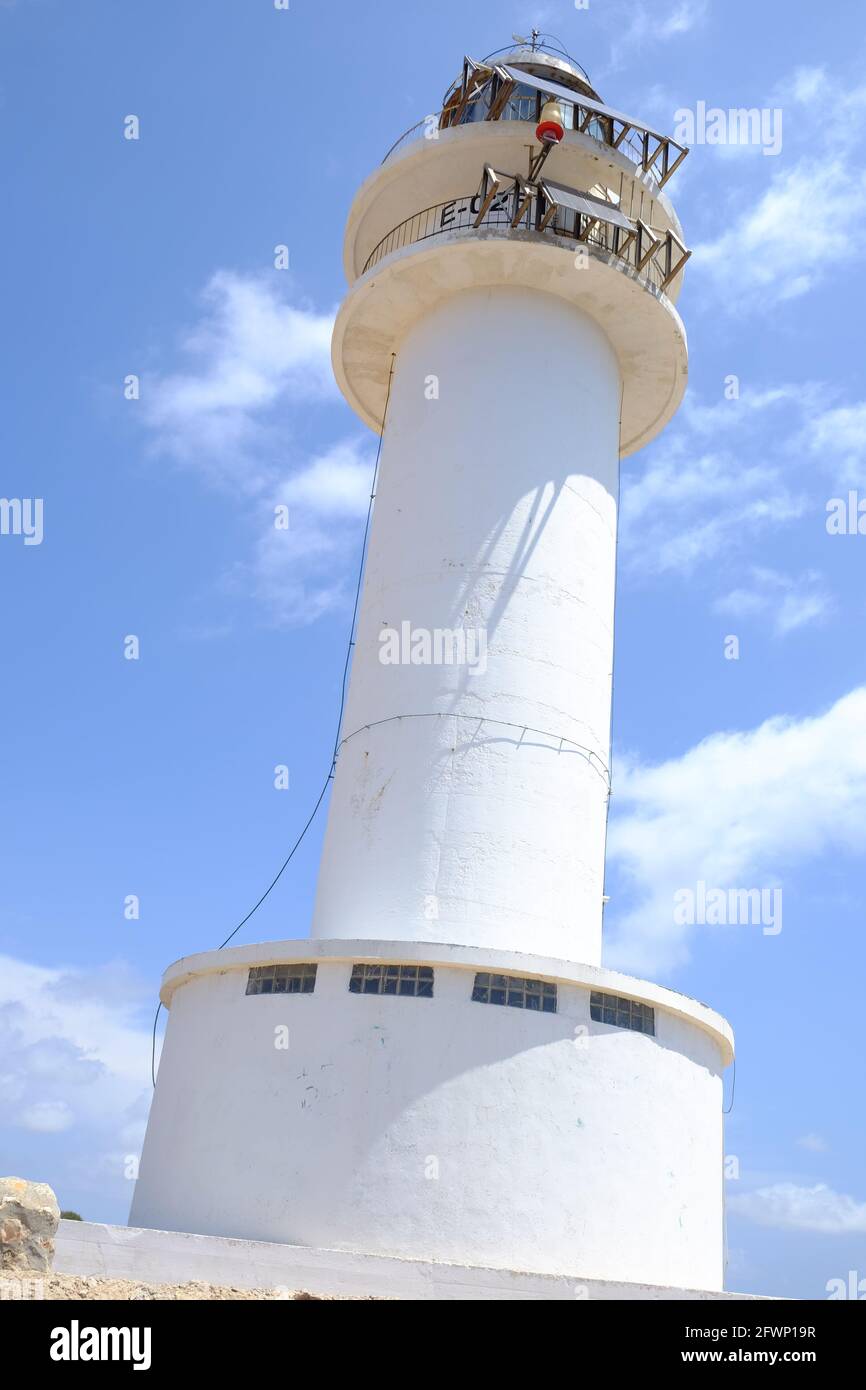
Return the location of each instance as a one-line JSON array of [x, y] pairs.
[[655, 155], [657, 255]]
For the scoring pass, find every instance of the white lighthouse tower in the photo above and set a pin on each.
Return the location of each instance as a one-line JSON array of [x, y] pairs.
[[445, 1071]]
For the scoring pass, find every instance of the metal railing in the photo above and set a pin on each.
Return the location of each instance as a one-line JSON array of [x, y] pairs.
[[659, 256], [415, 132], [634, 144]]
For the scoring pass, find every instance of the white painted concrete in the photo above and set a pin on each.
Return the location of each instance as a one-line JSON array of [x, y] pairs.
[[123, 1252], [525, 1151], [439, 1129], [642, 325], [590, 977], [428, 172], [493, 517]]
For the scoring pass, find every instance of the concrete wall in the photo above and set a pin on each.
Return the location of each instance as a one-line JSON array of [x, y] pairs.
[[123, 1252], [427, 172], [439, 1129], [495, 512]]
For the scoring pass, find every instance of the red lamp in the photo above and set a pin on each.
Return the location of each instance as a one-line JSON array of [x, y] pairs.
[[551, 127]]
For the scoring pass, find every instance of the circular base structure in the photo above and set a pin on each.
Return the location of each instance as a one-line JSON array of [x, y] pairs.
[[440, 1128]]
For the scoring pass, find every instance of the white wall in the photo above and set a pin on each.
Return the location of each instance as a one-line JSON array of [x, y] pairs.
[[428, 172], [121, 1252], [496, 510], [439, 1129]]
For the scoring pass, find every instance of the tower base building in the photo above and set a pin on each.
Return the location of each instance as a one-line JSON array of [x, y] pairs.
[[445, 1072], [441, 1128]]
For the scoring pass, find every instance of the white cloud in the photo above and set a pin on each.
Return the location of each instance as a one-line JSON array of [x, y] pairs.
[[251, 355], [685, 510], [692, 502], [764, 256], [46, 1117], [335, 484], [729, 416], [788, 601], [804, 85], [808, 220], [685, 16], [789, 1207], [736, 811], [651, 24], [255, 364], [838, 437], [76, 1062], [304, 571], [815, 1143]]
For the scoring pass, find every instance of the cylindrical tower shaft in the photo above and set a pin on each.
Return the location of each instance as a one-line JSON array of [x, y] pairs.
[[470, 796]]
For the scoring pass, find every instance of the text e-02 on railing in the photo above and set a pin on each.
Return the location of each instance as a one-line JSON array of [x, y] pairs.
[[656, 255]]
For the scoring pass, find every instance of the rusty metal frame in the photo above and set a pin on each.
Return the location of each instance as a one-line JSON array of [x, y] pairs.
[[522, 191], [491, 185], [502, 93], [673, 271], [470, 71], [644, 230]]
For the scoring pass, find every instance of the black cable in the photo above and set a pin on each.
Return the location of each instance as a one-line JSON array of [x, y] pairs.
[[153, 1046], [288, 859], [613, 662], [733, 1086], [285, 864]]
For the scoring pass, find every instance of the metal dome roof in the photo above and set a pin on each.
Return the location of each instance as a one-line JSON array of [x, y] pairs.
[[545, 57]]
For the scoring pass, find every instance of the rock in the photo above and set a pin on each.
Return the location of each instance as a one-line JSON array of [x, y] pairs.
[[28, 1224]]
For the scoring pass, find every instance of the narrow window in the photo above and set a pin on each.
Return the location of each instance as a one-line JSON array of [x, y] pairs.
[[416, 980], [621, 1013], [516, 992], [282, 979]]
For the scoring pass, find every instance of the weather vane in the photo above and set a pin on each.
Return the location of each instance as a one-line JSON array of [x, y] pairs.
[[533, 42]]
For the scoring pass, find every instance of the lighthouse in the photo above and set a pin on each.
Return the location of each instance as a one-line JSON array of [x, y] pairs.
[[445, 1071]]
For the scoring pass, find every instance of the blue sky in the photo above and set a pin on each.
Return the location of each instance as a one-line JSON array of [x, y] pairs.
[[154, 777]]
